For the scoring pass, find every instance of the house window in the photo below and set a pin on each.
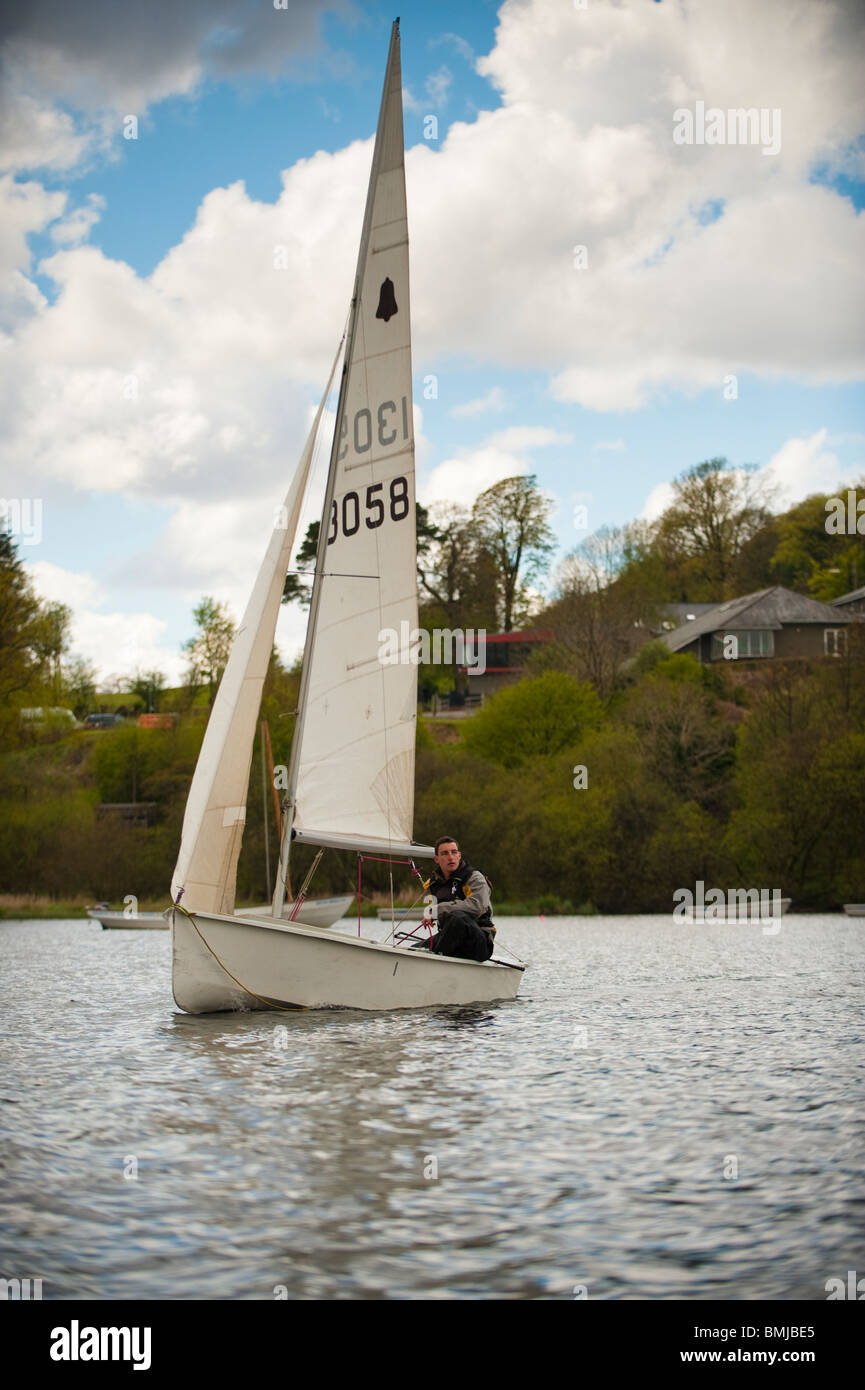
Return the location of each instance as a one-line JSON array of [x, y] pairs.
[[833, 641], [759, 642]]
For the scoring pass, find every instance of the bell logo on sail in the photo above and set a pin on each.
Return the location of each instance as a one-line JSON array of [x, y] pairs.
[[386, 301]]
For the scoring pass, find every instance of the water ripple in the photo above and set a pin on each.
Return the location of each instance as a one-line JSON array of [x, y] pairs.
[[664, 1112]]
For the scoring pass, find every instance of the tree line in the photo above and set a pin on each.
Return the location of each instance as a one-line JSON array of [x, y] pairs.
[[479, 566], [738, 776], [568, 801]]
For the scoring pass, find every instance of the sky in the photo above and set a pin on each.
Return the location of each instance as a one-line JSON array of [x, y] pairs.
[[610, 283]]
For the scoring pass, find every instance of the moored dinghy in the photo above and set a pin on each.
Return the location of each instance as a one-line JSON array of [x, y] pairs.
[[320, 912], [351, 776], [128, 921], [317, 912]]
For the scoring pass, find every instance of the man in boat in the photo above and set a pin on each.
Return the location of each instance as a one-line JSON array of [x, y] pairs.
[[464, 909]]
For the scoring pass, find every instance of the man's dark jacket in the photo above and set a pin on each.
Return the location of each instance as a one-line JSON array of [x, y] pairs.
[[467, 890]]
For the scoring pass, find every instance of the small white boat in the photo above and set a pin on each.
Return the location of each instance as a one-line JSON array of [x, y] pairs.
[[855, 909], [401, 914], [350, 780], [132, 921], [316, 912]]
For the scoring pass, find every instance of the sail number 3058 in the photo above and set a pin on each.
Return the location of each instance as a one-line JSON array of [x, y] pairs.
[[374, 506]]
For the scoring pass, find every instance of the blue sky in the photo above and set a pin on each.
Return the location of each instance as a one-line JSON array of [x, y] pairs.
[[553, 131]]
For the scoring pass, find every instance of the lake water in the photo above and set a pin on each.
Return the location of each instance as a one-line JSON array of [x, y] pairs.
[[666, 1111]]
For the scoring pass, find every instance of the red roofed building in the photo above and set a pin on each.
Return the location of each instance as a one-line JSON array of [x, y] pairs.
[[505, 659]]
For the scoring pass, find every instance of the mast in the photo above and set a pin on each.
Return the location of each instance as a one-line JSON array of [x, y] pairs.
[[264, 802]]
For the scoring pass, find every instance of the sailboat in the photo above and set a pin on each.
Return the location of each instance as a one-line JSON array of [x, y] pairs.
[[350, 780]]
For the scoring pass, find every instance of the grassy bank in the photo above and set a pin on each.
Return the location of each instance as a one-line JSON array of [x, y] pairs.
[[24, 906], [32, 906]]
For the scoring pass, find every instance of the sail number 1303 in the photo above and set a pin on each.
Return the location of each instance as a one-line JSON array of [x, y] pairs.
[[374, 505], [384, 428]]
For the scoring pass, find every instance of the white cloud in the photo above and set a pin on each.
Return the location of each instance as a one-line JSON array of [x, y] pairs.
[[27, 207], [107, 60], [411, 103], [114, 642], [438, 84], [585, 135], [505, 454], [119, 644], [462, 478], [611, 446], [657, 501], [493, 400], [461, 45], [39, 135], [65, 586], [800, 467], [76, 225], [519, 438]]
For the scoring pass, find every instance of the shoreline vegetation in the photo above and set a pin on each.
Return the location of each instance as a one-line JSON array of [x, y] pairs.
[[609, 774], [735, 774], [24, 907]]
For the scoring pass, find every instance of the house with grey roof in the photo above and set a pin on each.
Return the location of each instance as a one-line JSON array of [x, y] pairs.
[[773, 622], [674, 615], [852, 603]]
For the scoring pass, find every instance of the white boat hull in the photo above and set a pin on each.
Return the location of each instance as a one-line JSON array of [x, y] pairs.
[[316, 912], [222, 963], [137, 921], [855, 909]]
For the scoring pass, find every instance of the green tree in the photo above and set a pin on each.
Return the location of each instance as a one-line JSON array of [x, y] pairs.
[[689, 747], [208, 650], [79, 686], [19, 612], [51, 642], [599, 618], [148, 687], [298, 588], [801, 795], [537, 717], [511, 523], [715, 511], [813, 560], [457, 582]]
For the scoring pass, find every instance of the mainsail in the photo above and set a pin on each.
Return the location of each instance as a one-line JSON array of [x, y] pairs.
[[206, 869], [352, 775]]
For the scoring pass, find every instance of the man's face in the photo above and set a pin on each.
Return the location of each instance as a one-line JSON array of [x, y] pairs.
[[448, 857]]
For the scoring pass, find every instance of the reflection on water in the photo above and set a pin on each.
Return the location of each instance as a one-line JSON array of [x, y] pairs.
[[666, 1111], [465, 1016]]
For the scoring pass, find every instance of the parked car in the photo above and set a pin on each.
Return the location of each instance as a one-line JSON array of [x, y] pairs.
[[102, 721]]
